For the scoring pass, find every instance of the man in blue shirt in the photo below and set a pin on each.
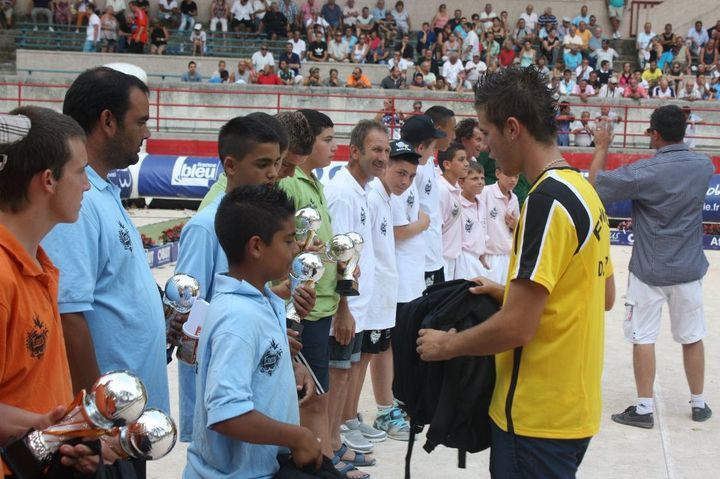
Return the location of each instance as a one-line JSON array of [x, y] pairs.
[[667, 263], [583, 17], [249, 409], [111, 311], [332, 14]]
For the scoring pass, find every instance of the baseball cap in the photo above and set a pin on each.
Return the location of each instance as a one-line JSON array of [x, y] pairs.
[[566, 19], [400, 148], [198, 26], [613, 79], [420, 128]]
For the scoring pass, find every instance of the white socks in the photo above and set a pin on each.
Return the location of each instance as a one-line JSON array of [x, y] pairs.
[[697, 400], [644, 405]]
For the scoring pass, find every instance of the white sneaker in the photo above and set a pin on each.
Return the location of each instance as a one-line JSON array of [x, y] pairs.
[[51, 29], [35, 29]]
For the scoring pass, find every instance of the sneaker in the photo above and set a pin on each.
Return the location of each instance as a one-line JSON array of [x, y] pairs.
[[631, 418], [354, 439], [700, 414], [370, 433], [35, 29], [51, 29], [393, 422]]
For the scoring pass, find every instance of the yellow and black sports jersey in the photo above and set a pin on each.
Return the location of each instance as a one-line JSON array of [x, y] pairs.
[[550, 388]]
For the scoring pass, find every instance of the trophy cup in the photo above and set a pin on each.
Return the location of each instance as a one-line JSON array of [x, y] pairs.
[[306, 269], [307, 224], [346, 248], [181, 291], [117, 399], [151, 437]]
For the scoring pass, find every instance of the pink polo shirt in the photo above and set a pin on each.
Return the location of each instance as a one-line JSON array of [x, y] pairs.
[[450, 214], [474, 230], [496, 205]]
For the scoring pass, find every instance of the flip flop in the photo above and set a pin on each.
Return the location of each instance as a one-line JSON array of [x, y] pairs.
[[360, 459]]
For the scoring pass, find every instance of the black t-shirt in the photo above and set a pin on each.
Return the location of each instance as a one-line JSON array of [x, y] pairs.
[[157, 36], [188, 8], [275, 21], [317, 49]]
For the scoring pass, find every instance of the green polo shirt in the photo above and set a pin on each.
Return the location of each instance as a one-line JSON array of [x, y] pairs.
[[308, 191], [218, 187]]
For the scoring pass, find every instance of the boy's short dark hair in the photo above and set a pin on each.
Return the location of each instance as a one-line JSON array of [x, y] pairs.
[[318, 121], [670, 122], [247, 211], [464, 130], [439, 114], [238, 136], [299, 133], [272, 122], [448, 154], [99, 89], [521, 93], [45, 147]]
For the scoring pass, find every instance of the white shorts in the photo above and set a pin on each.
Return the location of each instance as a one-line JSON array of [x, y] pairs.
[[449, 268], [469, 267], [615, 12], [499, 264], [643, 311]]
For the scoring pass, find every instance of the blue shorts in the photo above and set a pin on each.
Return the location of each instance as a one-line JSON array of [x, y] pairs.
[[342, 357], [314, 338], [521, 457]]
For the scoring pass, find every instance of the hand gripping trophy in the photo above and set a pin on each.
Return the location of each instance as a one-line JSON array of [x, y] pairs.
[[181, 291], [346, 248], [151, 437], [117, 399]]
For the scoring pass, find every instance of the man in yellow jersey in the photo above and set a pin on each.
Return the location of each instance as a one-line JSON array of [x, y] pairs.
[[548, 337]]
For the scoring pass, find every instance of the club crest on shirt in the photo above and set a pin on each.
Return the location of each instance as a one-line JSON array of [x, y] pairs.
[[411, 199], [455, 210], [124, 236], [383, 227], [493, 213], [428, 187], [36, 338], [374, 336], [270, 358], [363, 215], [468, 225]]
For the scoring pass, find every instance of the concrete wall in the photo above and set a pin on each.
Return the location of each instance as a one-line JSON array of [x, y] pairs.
[[187, 110], [682, 15]]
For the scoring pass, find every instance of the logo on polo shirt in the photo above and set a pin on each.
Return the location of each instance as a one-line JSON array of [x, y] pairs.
[[428, 187], [493, 213], [270, 358], [363, 216], [455, 210], [194, 172], [468, 225], [124, 236], [383, 227], [36, 338], [411, 199]]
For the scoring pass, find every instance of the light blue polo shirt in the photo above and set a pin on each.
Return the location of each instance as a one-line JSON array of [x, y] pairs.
[[201, 257], [243, 365], [104, 274]]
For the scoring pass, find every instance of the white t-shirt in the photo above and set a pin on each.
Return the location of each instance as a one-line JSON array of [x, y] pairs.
[[350, 15], [484, 16], [242, 12], [258, 5], [499, 240], [474, 70], [690, 130], [93, 21], [403, 64], [428, 188], [299, 47], [472, 41], [450, 209], [348, 205], [450, 72], [168, 4], [580, 75], [406, 210], [259, 60], [381, 312], [584, 136], [530, 20]]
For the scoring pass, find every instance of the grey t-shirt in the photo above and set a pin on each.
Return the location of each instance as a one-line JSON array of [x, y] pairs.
[[667, 193]]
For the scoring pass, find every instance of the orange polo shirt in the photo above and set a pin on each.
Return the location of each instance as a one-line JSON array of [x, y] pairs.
[[34, 371], [352, 82]]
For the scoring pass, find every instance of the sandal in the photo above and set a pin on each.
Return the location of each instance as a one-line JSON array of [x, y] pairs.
[[360, 460], [345, 468]]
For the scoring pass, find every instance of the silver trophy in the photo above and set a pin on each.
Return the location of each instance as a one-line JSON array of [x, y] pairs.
[[117, 399], [307, 223], [181, 291], [346, 248], [306, 269], [151, 437]]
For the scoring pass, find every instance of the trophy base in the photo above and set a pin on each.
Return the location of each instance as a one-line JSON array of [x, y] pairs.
[[347, 287], [21, 461], [296, 326]]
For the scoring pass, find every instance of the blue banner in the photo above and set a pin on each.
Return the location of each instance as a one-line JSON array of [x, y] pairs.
[[177, 176], [123, 179], [627, 238], [711, 208], [163, 254]]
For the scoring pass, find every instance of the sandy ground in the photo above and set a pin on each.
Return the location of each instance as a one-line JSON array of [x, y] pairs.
[[676, 448]]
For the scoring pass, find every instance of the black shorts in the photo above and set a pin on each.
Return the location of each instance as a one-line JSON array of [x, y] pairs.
[[248, 23], [342, 357], [376, 341], [315, 348], [434, 277]]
